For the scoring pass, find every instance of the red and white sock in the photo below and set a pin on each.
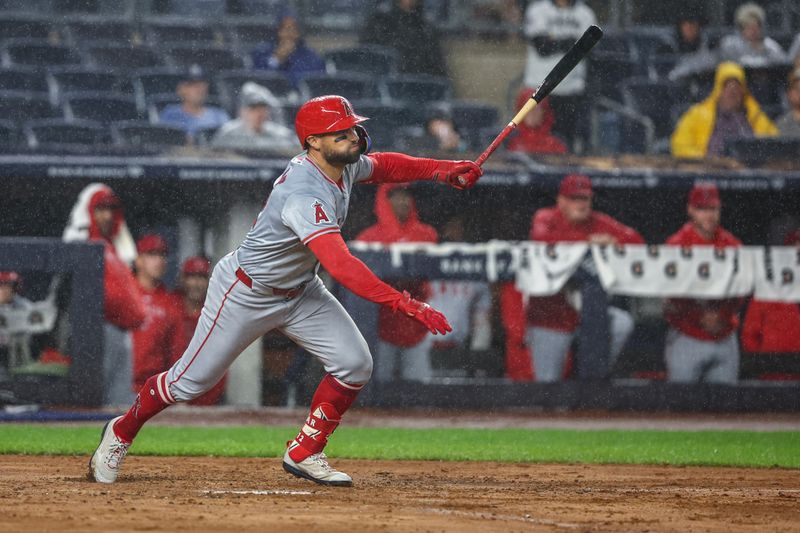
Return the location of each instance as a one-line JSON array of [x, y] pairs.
[[332, 398], [151, 400]]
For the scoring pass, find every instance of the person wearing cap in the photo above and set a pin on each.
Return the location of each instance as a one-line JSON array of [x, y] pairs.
[[255, 128], [552, 320], [789, 123], [750, 47], [701, 341], [190, 296], [10, 301], [97, 216], [730, 112], [192, 114], [288, 52], [160, 339]]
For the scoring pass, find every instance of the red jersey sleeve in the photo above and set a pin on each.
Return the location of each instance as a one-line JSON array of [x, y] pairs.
[[393, 167], [122, 304]]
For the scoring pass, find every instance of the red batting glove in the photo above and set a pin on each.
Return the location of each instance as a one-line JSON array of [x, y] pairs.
[[458, 174], [422, 312]]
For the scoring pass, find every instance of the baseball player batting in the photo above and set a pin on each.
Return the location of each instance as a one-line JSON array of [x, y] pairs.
[[270, 282]]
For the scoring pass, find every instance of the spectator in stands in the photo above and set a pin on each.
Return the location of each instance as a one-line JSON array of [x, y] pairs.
[[191, 295], [159, 341], [789, 124], [773, 327], [552, 27], [553, 320], [689, 37], [255, 128], [750, 47], [701, 342], [192, 114], [288, 52], [468, 306], [441, 135], [402, 342], [730, 112], [401, 25], [97, 216], [534, 135]]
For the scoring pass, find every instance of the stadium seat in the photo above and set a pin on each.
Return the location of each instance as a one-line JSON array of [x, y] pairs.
[[469, 117], [12, 27], [255, 8], [38, 53], [72, 79], [123, 57], [245, 35], [101, 107], [20, 106], [209, 9], [605, 71], [47, 133], [143, 134], [230, 82], [209, 58], [168, 32], [375, 60], [153, 81], [417, 90], [654, 99], [23, 79], [385, 119], [9, 135], [352, 86], [86, 31], [662, 64]]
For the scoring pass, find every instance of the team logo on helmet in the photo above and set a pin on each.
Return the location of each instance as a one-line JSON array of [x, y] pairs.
[[348, 109]]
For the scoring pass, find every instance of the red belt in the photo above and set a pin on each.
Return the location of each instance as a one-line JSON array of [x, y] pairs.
[[288, 293]]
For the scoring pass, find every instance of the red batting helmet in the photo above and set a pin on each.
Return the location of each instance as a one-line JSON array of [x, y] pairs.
[[326, 114]]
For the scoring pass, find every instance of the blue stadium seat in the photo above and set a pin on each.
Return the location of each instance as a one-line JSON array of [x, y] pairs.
[[604, 72], [38, 53], [72, 79], [20, 106], [385, 119], [208, 9], [352, 86], [112, 30], [13, 27], [101, 107], [169, 32], [368, 59], [122, 56], [209, 58], [654, 99], [246, 34], [417, 89], [469, 117], [9, 135], [143, 134], [23, 79], [43, 134], [152, 81]]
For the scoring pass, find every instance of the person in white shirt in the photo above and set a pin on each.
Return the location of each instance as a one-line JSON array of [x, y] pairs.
[[551, 27], [750, 47]]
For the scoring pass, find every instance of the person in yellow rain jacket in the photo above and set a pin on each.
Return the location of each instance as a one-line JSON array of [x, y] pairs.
[[730, 112]]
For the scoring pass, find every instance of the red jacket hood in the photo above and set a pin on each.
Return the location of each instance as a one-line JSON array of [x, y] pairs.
[[388, 227], [540, 138], [104, 195]]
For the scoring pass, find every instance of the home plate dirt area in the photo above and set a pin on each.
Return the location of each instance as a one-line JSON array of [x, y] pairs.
[[46, 493]]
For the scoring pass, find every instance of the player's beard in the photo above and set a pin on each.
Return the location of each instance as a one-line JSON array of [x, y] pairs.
[[341, 158]]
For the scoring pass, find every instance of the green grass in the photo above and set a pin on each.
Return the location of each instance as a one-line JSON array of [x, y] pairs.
[[718, 448]]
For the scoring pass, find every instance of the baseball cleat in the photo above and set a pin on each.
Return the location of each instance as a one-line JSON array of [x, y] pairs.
[[107, 459], [316, 468]]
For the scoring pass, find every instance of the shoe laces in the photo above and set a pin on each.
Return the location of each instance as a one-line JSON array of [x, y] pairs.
[[322, 460], [116, 453]]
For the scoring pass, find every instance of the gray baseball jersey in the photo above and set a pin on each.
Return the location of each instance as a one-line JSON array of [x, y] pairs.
[[304, 204]]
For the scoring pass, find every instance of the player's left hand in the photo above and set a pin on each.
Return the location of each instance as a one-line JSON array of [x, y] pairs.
[[458, 174], [423, 313]]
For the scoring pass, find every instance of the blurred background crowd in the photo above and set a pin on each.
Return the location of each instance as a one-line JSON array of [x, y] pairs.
[[713, 84]]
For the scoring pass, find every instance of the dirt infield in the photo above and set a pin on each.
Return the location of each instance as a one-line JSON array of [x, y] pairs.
[[222, 494]]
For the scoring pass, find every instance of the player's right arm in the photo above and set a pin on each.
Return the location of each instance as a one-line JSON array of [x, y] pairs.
[[335, 257]]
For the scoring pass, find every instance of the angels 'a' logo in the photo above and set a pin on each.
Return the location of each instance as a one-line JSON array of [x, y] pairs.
[[319, 213], [348, 111]]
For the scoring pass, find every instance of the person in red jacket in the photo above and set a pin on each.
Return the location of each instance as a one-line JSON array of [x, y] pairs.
[[190, 296], [773, 327], [534, 135], [701, 341], [403, 342], [554, 320], [98, 216], [160, 340]]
